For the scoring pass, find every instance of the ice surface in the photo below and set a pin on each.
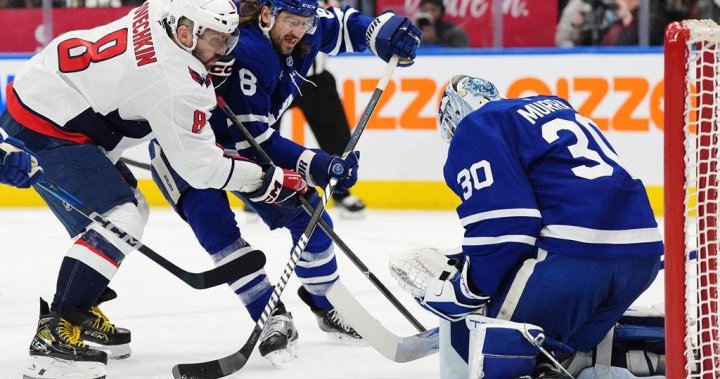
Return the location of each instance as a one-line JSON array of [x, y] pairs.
[[173, 323]]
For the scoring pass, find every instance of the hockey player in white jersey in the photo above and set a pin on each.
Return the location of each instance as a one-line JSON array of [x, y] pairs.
[[279, 40], [78, 104], [559, 236], [19, 166]]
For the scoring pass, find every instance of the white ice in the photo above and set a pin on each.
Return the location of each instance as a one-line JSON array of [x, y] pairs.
[[173, 323]]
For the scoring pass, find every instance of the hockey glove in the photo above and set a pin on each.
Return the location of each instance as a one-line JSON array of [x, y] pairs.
[[323, 167], [390, 35], [280, 187], [449, 295], [19, 166]]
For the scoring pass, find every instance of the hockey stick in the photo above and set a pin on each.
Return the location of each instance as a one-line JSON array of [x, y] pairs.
[[234, 362], [391, 346], [323, 225], [245, 265]]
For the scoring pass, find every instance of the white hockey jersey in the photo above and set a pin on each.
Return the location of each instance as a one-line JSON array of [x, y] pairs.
[[120, 84]]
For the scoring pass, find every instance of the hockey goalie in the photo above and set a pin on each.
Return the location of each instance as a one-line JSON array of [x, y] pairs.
[[559, 241]]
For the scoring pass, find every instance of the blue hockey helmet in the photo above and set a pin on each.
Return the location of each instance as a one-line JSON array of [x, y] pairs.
[[304, 8], [463, 95]]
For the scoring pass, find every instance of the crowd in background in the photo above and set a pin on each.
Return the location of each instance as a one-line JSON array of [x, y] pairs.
[[580, 22]]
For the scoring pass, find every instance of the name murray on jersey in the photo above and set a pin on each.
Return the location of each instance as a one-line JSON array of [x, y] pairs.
[[142, 38], [537, 109]]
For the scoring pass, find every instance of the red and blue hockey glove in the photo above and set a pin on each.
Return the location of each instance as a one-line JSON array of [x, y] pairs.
[[280, 187]]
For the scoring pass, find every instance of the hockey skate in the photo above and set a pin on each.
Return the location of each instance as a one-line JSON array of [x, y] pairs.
[[101, 334], [278, 340], [58, 352], [331, 322], [349, 206]]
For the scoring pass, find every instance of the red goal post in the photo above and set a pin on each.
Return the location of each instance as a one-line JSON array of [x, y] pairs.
[[692, 140]]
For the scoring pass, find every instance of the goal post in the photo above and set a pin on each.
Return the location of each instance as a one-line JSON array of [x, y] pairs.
[[692, 140]]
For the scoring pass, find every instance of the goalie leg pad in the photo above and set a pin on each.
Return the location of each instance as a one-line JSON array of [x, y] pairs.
[[500, 349]]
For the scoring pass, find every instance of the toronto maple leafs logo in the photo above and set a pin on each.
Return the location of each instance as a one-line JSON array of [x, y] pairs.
[[203, 80]]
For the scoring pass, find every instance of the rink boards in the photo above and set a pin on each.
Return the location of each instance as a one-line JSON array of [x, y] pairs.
[[402, 153]]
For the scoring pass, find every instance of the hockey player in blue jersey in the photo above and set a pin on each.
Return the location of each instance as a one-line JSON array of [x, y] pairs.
[[18, 166], [279, 40], [558, 234]]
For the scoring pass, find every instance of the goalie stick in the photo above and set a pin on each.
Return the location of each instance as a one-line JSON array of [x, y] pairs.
[[245, 265], [391, 346], [323, 225], [234, 362]]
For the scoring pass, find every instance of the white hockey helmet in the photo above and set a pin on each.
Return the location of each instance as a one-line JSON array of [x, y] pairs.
[[218, 15], [463, 95]]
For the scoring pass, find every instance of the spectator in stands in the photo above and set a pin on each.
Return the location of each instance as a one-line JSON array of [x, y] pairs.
[[585, 22], [662, 12], [437, 31]]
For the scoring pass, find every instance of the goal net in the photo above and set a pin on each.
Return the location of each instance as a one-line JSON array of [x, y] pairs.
[[692, 139]]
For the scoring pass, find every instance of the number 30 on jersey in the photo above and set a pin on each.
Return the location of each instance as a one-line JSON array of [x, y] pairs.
[[477, 177]]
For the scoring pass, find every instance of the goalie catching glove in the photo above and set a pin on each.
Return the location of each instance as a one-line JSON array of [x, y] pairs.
[[319, 167], [19, 166], [438, 282], [390, 35], [281, 187]]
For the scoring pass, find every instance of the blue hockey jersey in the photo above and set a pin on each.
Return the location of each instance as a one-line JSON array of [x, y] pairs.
[[263, 82], [532, 172]]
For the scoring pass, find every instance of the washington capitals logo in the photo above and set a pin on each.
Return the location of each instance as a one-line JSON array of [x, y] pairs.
[[203, 80]]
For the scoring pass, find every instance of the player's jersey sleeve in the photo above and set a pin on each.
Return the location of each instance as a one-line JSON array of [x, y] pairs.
[[498, 209], [342, 30], [180, 123]]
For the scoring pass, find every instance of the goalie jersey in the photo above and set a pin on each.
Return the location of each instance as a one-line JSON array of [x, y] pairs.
[[114, 85], [262, 82], [533, 173]]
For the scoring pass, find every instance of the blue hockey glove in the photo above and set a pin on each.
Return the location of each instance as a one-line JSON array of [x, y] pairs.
[[19, 166], [390, 35], [280, 187], [449, 295], [323, 167]]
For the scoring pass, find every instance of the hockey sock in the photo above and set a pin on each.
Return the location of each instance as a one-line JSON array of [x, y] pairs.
[[85, 272]]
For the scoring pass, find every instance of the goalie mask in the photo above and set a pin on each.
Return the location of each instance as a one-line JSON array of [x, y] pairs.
[[463, 95], [218, 15]]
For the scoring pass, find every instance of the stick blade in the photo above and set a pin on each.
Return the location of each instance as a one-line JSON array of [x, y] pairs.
[[393, 347], [245, 265]]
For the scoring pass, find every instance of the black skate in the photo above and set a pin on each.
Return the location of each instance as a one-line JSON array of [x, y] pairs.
[[101, 334], [350, 207], [58, 351], [331, 322], [278, 340]]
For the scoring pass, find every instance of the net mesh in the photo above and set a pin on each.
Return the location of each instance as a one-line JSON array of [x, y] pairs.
[[701, 116]]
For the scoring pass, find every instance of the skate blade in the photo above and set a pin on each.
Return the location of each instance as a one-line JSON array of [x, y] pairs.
[[115, 352], [344, 339], [42, 367], [279, 358]]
